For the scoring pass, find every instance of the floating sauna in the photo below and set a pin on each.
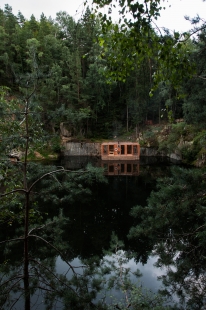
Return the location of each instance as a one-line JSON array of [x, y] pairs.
[[120, 151]]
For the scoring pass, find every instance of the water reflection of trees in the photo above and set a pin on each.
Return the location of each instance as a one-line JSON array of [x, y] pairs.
[[90, 212], [172, 225], [45, 235]]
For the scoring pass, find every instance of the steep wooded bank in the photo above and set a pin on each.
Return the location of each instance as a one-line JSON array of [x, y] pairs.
[[179, 142]]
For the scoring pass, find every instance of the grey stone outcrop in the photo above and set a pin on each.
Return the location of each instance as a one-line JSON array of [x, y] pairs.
[[82, 149]]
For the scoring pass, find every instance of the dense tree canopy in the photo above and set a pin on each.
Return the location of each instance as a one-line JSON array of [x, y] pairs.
[[100, 77]]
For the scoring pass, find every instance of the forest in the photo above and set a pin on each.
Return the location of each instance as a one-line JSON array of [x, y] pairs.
[[101, 80], [81, 77]]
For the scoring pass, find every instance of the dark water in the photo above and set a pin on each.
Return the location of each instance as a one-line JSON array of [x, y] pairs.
[[93, 221], [93, 218], [108, 209]]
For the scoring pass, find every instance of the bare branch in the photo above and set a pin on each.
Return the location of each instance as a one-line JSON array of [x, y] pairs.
[[50, 271], [30, 95], [16, 301], [201, 77], [10, 240], [157, 28], [20, 277], [50, 174], [43, 176], [193, 32], [41, 227], [60, 253], [19, 190]]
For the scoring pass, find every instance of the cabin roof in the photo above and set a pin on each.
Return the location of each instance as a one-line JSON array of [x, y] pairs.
[[119, 142]]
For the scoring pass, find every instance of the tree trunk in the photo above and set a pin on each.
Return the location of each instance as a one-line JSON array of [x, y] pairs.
[[26, 217], [26, 255]]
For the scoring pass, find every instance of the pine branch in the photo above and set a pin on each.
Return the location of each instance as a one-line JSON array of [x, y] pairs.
[[10, 240], [53, 274], [20, 190], [16, 301], [58, 251], [51, 173], [11, 279], [41, 227], [201, 77]]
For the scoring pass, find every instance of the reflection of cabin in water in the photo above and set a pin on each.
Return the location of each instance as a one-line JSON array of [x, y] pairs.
[[120, 167], [120, 151]]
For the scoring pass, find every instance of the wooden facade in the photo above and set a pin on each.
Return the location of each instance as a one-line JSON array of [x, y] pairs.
[[120, 151]]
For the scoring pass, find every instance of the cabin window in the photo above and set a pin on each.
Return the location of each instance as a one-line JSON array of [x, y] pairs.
[[129, 168], [111, 168], [129, 149], [122, 149], [135, 149], [122, 168], [135, 168], [111, 149], [105, 149]]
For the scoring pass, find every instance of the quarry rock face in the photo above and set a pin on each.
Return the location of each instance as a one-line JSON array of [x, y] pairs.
[[82, 149]]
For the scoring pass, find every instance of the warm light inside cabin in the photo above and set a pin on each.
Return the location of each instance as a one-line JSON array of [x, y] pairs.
[[111, 149]]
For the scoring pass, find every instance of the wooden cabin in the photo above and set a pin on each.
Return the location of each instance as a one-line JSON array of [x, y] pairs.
[[120, 151]]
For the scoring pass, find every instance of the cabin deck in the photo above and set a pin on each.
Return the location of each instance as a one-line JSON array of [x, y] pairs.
[[120, 151]]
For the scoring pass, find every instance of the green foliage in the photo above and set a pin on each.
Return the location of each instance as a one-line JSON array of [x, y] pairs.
[[108, 275], [72, 63], [56, 145], [46, 184], [194, 103], [149, 139], [172, 224], [22, 186], [180, 137], [133, 40]]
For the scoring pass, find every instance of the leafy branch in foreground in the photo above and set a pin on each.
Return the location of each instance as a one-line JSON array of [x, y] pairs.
[[172, 224], [111, 285], [22, 184], [135, 38]]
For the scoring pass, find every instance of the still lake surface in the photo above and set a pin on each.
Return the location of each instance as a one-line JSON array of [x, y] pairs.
[[93, 219], [93, 222]]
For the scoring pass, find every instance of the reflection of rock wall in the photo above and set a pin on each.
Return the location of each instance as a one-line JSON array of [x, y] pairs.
[[79, 162], [82, 149], [149, 151]]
